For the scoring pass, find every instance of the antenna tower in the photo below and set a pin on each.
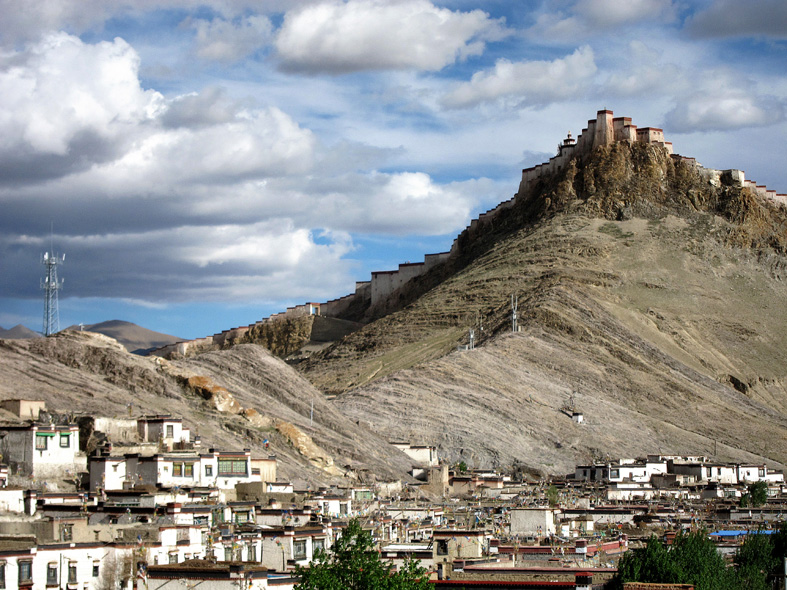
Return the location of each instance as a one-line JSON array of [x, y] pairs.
[[51, 285], [514, 304]]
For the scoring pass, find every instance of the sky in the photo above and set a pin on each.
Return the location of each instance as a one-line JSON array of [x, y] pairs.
[[203, 165]]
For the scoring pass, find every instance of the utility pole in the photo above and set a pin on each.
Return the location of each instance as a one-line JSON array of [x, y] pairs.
[[514, 305]]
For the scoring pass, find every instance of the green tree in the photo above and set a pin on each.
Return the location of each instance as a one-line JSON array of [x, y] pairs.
[[759, 560], [353, 563], [553, 496], [691, 559], [758, 492], [755, 561], [756, 495]]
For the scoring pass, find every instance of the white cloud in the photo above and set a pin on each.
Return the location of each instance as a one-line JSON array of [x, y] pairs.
[[273, 245], [228, 41], [63, 89], [527, 82], [406, 203], [338, 37], [731, 108], [25, 21], [732, 18], [588, 18], [254, 144]]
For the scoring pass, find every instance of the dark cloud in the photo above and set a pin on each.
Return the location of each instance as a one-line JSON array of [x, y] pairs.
[[734, 18]]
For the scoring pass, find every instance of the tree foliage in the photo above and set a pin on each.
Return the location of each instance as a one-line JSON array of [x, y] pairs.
[[693, 559], [353, 563], [756, 496]]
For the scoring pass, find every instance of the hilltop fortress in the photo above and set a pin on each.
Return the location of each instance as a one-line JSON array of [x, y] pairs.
[[604, 130]]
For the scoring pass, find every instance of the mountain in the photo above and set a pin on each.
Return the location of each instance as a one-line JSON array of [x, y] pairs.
[[649, 294], [18, 332], [233, 399], [648, 297], [134, 338]]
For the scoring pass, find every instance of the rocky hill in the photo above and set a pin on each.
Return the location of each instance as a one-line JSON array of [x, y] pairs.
[[134, 338], [233, 399], [650, 297], [653, 294]]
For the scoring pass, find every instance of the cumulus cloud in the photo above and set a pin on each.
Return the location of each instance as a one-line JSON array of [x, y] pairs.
[[526, 82], [407, 203], [337, 37], [731, 18], [730, 109], [65, 105], [227, 41], [586, 18], [190, 197], [261, 143], [25, 21]]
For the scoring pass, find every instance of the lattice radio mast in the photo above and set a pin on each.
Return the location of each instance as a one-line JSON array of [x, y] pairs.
[[51, 285]]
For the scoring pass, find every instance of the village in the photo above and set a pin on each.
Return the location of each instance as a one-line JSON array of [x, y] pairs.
[[92, 502]]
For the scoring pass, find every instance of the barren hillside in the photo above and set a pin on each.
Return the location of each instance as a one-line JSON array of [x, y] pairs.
[[657, 297], [233, 399]]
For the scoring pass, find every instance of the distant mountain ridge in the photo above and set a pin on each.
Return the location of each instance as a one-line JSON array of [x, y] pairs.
[[134, 338], [19, 332]]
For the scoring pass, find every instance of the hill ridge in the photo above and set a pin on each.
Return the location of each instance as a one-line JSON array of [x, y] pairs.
[[377, 297]]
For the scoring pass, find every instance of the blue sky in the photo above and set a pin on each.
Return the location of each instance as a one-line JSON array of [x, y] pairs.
[[206, 164]]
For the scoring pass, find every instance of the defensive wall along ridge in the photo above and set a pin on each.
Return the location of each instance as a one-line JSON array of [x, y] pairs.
[[605, 129]]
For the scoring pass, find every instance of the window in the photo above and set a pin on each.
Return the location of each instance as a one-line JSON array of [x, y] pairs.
[[201, 520], [2, 574], [442, 547], [318, 545], [51, 574], [232, 467], [66, 532], [208, 470], [65, 441], [177, 469], [299, 549], [252, 553], [343, 508], [241, 517], [228, 554], [72, 572], [188, 469], [170, 431], [25, 571], [41, 442], [173, 558], [95, 569]]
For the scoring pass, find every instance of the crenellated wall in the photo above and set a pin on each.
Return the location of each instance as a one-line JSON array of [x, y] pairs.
[[733, 177], [603, 130]]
